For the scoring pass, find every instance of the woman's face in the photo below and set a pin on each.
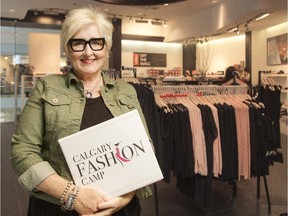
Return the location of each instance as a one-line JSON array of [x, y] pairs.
[[87, 62]]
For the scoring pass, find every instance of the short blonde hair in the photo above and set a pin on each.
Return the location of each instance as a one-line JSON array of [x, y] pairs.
[[80, 18]]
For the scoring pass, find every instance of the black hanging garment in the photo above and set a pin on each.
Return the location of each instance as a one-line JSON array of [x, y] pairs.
[[270, 97]]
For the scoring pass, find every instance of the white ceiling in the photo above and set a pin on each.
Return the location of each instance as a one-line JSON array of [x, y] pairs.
[[176, 11], [153, 12]]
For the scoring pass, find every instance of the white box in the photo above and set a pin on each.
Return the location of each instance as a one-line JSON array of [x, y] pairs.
[[115, 156]]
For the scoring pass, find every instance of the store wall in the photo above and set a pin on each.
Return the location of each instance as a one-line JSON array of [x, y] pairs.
[[259, 50], [173, 53], [223, 52]]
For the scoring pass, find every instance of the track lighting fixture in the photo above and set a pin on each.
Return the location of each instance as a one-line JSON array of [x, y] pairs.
[[157, 22], [232, 30], [246, 26], [237, 30], [193, 40], [141, 20]]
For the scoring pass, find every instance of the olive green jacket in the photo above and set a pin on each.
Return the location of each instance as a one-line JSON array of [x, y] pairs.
[[54, 110]]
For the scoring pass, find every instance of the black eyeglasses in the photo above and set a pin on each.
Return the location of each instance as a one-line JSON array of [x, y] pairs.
[[78, 45]]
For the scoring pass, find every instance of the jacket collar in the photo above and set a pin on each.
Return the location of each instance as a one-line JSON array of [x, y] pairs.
[[72, 79]]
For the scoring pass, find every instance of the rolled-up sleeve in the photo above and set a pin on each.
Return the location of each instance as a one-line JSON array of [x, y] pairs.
[[35, 175]]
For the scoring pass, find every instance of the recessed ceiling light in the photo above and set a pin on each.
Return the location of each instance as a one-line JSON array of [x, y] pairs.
[[12, 10]]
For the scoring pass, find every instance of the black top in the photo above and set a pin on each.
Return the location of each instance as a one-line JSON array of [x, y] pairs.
[[95, 112]]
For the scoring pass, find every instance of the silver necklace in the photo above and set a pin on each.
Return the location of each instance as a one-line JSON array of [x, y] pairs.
[[89, 93]]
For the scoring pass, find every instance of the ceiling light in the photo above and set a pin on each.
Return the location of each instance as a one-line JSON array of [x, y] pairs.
[[232, 30], [141, 21], [262, 16], [156, 23]]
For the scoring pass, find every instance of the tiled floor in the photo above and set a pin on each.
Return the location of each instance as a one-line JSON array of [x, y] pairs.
[[170, 201]]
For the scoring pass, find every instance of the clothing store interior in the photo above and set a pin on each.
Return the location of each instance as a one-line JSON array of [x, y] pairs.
[[221, 147]]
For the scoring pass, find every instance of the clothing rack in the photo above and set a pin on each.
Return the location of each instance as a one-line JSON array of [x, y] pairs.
[[176, 91], [264, 176], [199, 89], [182, 90]]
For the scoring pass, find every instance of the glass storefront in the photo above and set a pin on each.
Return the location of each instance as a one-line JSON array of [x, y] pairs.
[[15, 68]]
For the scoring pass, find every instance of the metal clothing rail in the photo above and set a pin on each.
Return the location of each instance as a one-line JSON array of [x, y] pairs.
[[199, 89]]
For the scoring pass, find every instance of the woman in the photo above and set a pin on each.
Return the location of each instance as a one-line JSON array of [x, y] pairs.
[[62, 105]]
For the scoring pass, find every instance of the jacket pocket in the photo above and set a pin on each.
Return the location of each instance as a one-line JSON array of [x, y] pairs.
[[126, 101], [56, 109]]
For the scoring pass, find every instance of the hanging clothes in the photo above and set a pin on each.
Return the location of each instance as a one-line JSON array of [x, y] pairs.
[[205, 132], [150, 111], [269, 94], [229, 143], [226, 127]]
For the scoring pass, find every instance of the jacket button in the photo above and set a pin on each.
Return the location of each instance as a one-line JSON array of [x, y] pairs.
[[55, 100]]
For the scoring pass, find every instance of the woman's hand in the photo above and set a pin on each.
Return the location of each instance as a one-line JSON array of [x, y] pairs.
[[88, 201], [109, 207]]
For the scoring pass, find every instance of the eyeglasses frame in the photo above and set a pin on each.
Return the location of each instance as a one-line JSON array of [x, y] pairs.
[[70, 41]]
